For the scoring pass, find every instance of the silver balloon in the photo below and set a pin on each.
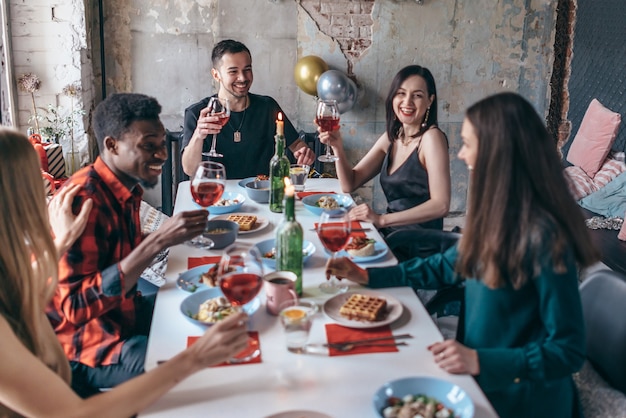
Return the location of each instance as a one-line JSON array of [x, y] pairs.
[[335, 85]]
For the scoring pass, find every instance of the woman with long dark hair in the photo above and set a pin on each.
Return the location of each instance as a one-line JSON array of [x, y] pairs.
[[411, 158], [519, 254]]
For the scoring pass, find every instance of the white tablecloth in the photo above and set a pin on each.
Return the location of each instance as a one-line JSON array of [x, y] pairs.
[[340, 386]]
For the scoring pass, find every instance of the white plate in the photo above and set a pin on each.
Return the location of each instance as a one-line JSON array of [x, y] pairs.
[[260, 223], [332, 306], [380, 250]]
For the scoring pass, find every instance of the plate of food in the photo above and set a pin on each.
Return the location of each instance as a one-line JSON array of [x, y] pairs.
[[363, 309], [363, 250], [267, 249], [422, 396], [230, 202], [248, 222], [318, 203], [242, 183], [210, 306], [198, 278]]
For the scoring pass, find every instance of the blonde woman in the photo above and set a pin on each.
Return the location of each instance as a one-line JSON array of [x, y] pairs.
[[34, 372]]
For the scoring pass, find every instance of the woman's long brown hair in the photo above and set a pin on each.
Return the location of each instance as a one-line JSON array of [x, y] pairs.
[[518, 197], [28, 257]]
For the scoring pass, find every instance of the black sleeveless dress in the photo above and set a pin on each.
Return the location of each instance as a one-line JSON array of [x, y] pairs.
[[407, 187]]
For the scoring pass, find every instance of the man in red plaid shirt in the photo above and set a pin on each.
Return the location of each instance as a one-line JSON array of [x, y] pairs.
[[100, 318]]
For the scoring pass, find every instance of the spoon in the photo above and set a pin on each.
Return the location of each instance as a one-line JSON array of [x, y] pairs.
[[350, 346]]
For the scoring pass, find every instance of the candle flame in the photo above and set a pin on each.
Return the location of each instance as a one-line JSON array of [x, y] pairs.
[[280, 115], [287, 181]]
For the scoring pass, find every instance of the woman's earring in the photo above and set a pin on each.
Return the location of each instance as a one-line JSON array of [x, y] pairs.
[[425, 123]]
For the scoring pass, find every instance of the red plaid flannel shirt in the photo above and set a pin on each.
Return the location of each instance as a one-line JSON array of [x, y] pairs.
[[89, 313]]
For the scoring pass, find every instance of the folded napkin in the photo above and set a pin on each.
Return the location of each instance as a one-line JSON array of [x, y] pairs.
[[253, 344], [353, 225], [302, 195], [201, 261], [338, 334]]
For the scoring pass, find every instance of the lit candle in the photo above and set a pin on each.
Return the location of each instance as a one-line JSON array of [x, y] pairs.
[[289, 188], [280, 125]]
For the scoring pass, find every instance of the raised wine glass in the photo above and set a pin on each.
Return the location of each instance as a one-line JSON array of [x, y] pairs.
[[333, 230], [240, 277], [327, 117], [207, 186], [221, 109]]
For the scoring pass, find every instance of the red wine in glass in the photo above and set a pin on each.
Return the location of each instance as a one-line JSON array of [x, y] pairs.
[[328, 123], [223, 118], [207, 186], [327, 117], [206, 193], [239, 274], [333, 230], [241, 288], [334, 238]]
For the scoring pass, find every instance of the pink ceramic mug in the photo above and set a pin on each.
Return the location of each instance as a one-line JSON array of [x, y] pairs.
[[279, 289]]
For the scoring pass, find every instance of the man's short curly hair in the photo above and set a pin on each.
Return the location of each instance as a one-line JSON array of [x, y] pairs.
[[227, 46], [117, 112]]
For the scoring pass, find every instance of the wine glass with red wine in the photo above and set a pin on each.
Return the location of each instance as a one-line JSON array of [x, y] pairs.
[[240, 277], [333, 230], [327, 117], [207, 187], [221, 109]]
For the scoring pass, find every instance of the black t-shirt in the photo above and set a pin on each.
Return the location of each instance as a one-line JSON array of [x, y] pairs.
[[252, 155]]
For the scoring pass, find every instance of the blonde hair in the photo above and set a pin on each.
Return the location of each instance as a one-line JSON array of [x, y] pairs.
[[28, 257]]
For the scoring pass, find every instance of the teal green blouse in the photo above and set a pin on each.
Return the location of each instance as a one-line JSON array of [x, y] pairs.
[[529, 341]]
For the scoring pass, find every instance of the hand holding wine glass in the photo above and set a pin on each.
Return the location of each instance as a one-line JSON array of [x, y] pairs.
[[240, 277], [333, 230], [220, 108], [207, 187], [327, 117]]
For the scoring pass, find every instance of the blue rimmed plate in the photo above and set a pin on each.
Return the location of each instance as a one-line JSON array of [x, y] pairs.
[[190, 280], [450, 395], [380, 250], [242, 183], [267, 246], [191, 304], [232, 207], [310, 202]]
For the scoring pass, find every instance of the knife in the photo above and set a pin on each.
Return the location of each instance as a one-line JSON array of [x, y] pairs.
[[366, 340]]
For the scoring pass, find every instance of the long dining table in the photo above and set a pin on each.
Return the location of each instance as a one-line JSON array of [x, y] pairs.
[[286, 384]]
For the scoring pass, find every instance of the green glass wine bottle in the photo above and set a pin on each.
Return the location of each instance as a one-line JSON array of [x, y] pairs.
[[289, 241], [279, 169]]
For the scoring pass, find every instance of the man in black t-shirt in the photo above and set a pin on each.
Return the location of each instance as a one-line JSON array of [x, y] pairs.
[[247, 140]]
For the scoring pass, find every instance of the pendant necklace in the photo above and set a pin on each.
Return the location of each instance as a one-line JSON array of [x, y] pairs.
[[237, 135]]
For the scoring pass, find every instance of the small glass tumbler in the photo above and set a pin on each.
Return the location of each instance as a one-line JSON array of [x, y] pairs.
[[298, 174], [297, 318]]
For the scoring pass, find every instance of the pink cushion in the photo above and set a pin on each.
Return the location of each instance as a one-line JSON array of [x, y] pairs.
[[594, 139]]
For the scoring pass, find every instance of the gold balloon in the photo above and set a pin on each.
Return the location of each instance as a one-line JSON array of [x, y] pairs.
[[307, 71]]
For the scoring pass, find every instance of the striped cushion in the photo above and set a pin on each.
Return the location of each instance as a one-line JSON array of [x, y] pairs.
[[56, 162], [610, 169], [580, 185]]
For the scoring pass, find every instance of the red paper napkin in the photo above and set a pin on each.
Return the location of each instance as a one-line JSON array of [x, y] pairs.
[[338, 334], [302, 195], [353, 225], [253, 344], [200, 261]]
